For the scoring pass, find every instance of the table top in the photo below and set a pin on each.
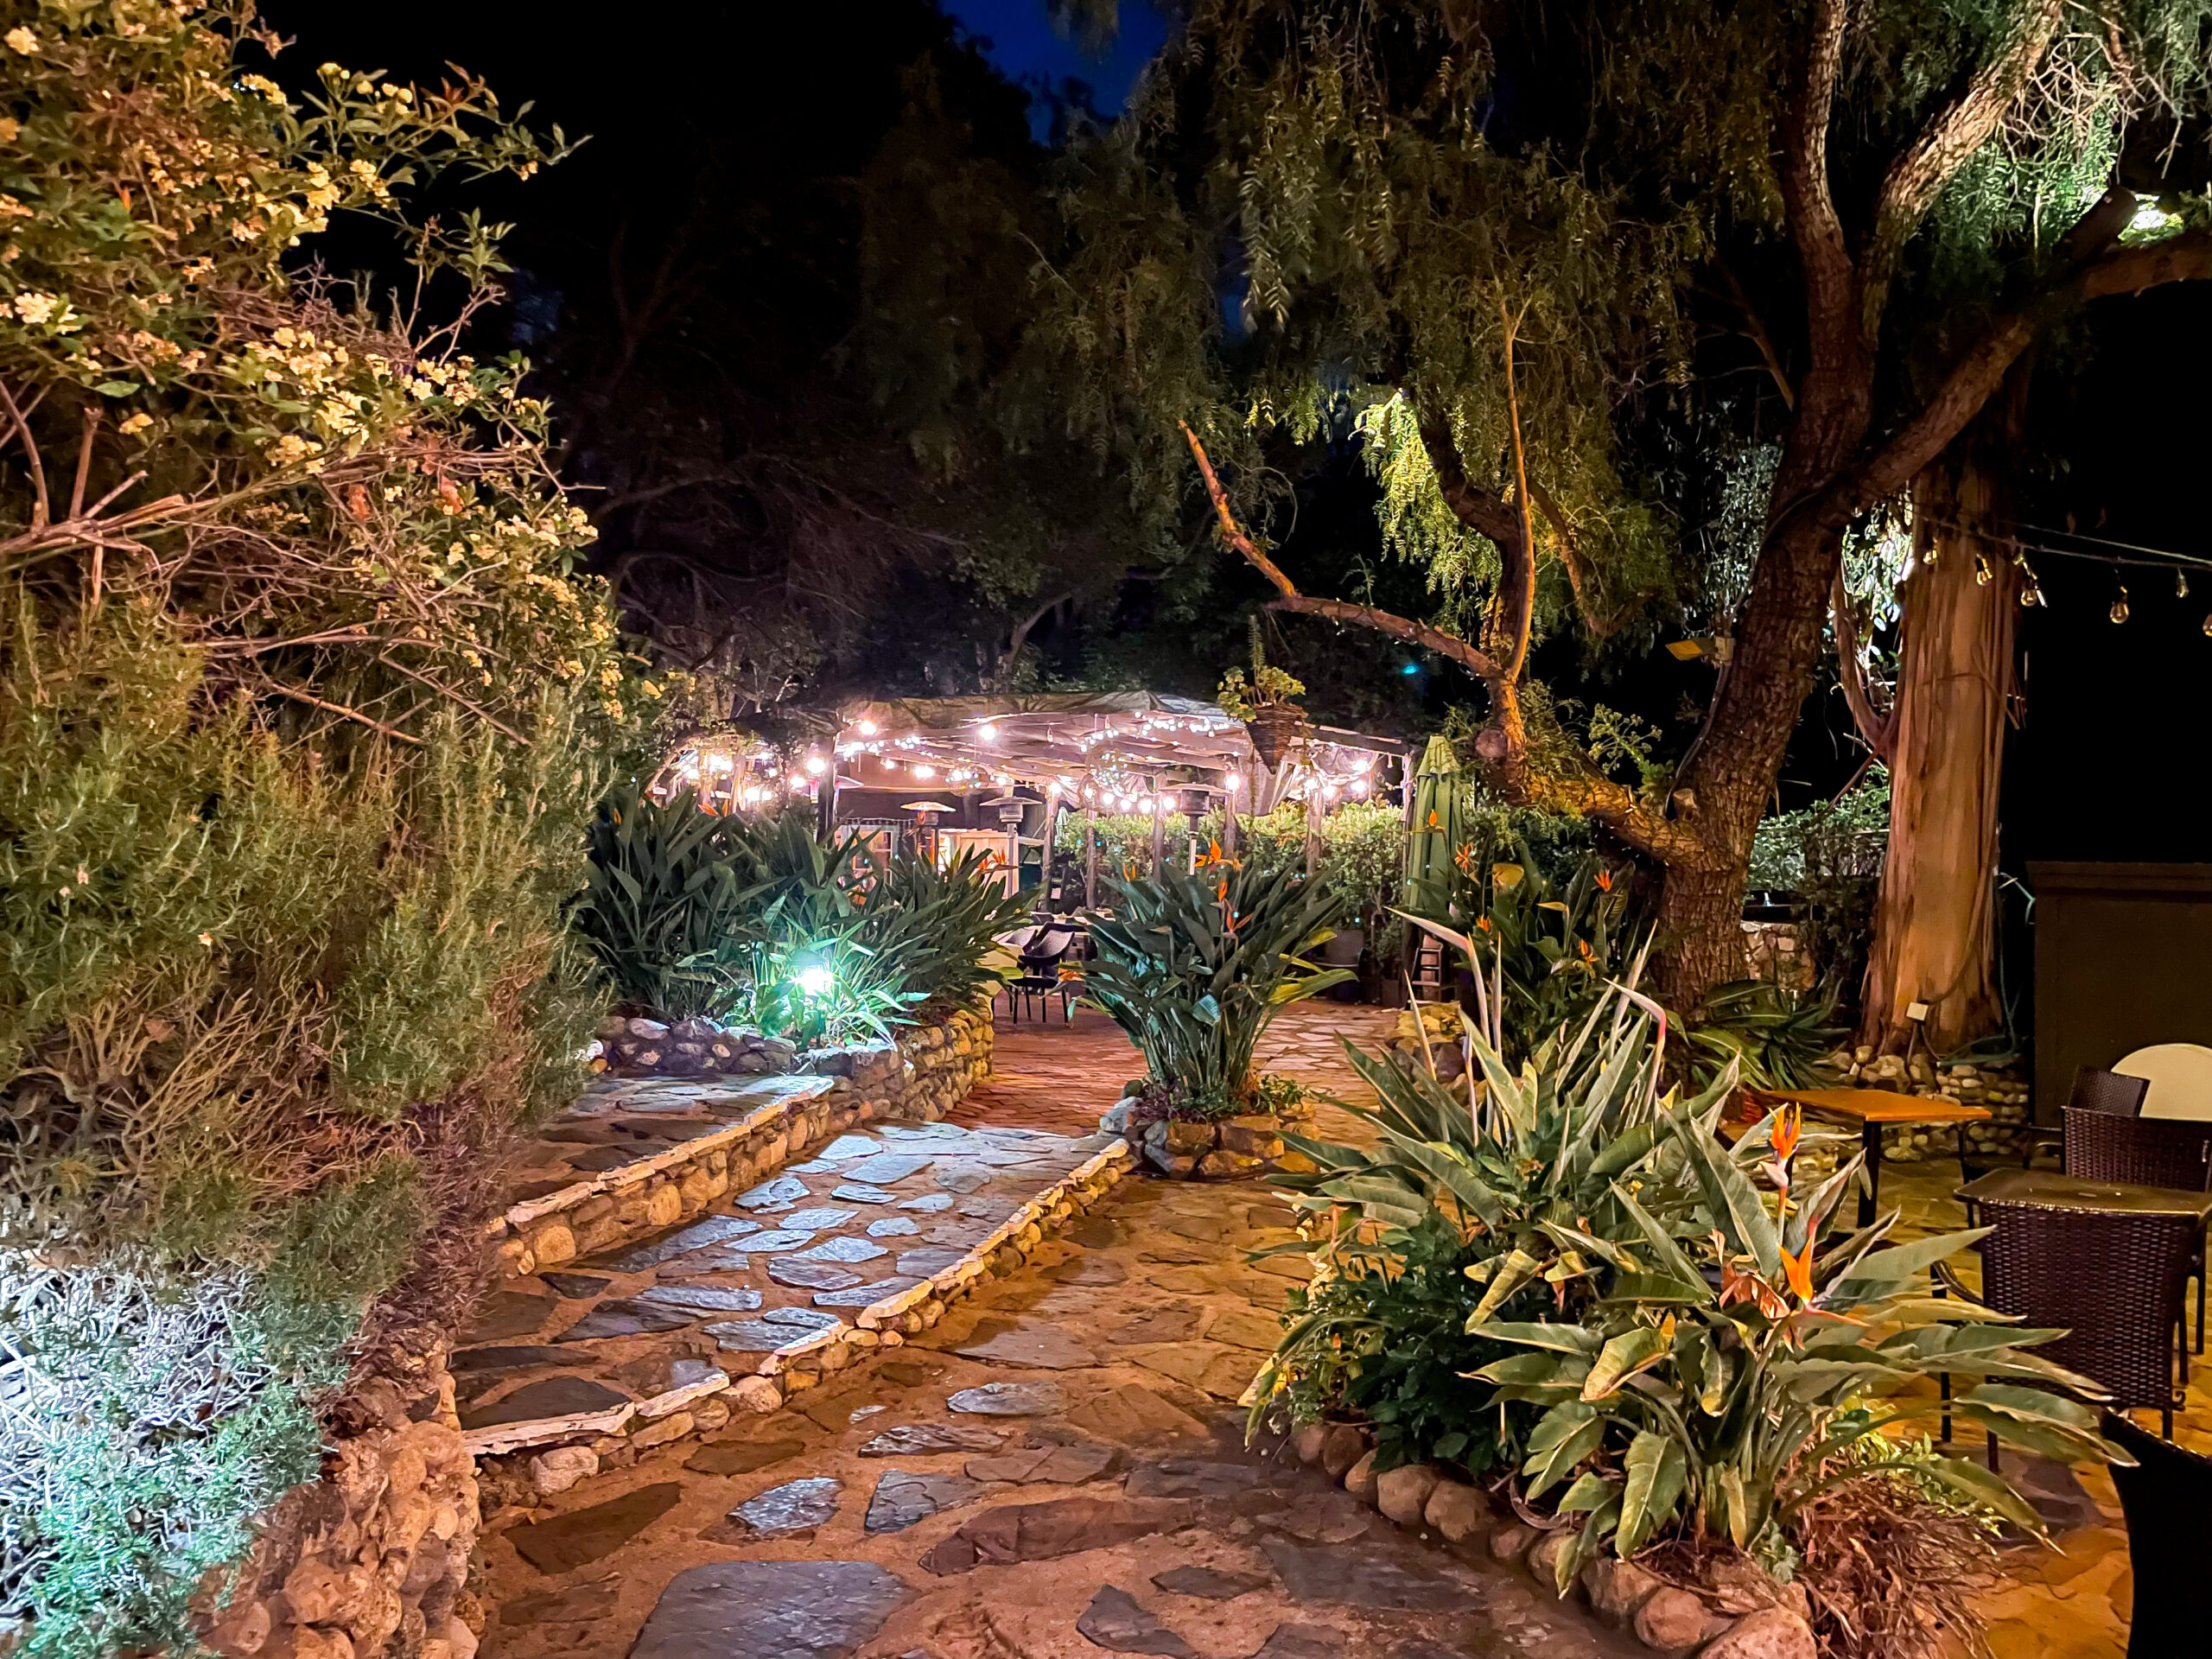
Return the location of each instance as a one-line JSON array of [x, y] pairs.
[[1875, 1105], [2057, 1191]]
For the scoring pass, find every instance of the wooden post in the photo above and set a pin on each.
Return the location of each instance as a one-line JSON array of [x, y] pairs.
[[1313, 831], [1229, 813], [1159, 833], [1090, 856]]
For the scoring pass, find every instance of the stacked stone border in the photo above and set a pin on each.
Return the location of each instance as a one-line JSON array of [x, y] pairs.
[[694, 1407], [919, 1079], [1753, 1617]]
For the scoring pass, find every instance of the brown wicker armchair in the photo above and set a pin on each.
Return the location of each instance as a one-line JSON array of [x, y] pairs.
[[2113, 1281], [2145, 1152]]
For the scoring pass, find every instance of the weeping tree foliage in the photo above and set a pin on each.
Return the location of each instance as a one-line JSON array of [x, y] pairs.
[[1505, 240]]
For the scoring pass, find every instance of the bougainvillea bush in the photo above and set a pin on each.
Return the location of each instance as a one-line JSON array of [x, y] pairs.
[[302, 714]]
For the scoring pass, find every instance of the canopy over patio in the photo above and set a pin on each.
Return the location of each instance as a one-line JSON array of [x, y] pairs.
[[1111, 750]]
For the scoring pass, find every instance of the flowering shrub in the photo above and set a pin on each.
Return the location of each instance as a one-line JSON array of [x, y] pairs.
[[302, 709]]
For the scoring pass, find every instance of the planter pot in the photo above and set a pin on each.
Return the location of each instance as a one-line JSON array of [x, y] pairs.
[[1273, 729]]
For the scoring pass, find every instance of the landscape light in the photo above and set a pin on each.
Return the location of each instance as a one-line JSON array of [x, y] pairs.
[[815, 979]]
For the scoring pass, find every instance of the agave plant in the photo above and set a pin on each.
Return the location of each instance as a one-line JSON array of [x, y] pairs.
[[1777, 1039], [933, 928], [1194, 966], [663, 906], [1723, 1383], [1515, 1174]]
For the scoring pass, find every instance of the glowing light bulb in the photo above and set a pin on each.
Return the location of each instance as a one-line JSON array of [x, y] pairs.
[[1231, 784], [816, 763], [866, 728], [987, 731], [925, 772], [815, 979]]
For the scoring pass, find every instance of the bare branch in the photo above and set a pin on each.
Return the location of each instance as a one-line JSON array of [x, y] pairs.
[[40, 509], [279, 689], [1231, 532], [1978, 373], [83, 461]]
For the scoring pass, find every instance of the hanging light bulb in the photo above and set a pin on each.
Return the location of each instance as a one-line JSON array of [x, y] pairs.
[[2207, 627], [1982, 573], [2181, 584], [2119, 611]]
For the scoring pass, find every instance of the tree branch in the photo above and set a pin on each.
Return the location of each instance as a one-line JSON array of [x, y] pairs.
[[1918, 176], [1480, 509], [1977, 375], [1516, 586], [1504, 742], [1231, 532], [1876, 730], [1813, 226]]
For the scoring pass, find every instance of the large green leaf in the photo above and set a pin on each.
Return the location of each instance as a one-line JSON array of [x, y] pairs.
[[1735, 1203], [1972, 1481], [1622, 1357], [1657, 1470], [1559, 1338]]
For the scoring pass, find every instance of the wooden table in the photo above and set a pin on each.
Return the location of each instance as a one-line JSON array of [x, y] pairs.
[[2055, 1190], [1872, 1109]]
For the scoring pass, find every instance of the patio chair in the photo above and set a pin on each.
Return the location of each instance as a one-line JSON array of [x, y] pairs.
[[2171, 1152], [2107, 1091], [2112, 1280], [2165, 1495]]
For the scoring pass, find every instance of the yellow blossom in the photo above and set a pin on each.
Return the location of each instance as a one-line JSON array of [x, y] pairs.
[[136, 423], [21, 42]]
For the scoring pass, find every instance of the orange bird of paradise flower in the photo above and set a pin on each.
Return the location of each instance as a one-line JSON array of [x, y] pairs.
[[1604, 880], [1789, 1124], [1798, 1269]]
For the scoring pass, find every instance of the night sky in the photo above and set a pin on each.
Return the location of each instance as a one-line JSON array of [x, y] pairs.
[[1027, 48]]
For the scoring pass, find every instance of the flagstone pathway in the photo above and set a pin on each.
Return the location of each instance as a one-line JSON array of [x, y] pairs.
[[1057, 1469]]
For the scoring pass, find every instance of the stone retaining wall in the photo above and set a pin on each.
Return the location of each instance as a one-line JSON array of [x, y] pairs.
[[373, 1557], [1744, 1615], [920, 1077]]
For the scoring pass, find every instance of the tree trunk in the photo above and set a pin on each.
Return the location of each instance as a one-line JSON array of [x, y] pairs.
[[1934, 930]]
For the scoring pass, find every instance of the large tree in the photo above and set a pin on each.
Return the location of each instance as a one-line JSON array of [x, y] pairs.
[[1508, 238]]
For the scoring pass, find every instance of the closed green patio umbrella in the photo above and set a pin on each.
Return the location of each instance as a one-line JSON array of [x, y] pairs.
[[1435, 833]]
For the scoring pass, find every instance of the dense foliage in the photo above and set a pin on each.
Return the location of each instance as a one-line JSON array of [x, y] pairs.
[[1684, 1355], [1193, 967], [302, 715], [757, 920]]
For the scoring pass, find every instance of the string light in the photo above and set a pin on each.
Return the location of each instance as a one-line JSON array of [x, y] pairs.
[[866, 728], [2119, 611], [2181, 584]]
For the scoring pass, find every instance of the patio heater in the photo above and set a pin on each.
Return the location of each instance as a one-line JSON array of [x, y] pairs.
[[1011, 809], [925, 815], [1191, 803]]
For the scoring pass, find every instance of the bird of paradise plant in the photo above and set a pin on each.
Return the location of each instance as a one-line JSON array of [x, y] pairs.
[[1723, 1383]]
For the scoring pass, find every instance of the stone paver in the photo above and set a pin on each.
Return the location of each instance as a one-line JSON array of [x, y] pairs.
[[1055, 1470], [787, 1256]]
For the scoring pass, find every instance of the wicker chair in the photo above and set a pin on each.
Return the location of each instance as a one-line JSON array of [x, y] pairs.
[[2166, 1495], [2107, 1091], [2112, 1280], [2172, 1152]]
